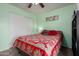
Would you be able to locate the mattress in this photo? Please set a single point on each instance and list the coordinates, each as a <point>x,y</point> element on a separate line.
<point>39,45</point>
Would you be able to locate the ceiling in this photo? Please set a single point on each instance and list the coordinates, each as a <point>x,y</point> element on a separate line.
<point>36,9</point>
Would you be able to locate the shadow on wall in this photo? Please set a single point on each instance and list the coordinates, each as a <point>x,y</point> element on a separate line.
<point>64,42</point>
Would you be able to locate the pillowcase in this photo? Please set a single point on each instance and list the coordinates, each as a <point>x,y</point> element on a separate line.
<point>53,32</point>
<point>50,32</point>
<point>44,32</point>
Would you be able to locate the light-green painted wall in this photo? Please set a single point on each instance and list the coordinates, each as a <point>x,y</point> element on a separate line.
<point>64,23</point>
<point>5,11</point>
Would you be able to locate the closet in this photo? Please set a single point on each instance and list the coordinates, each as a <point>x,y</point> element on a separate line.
<point>19,26</point>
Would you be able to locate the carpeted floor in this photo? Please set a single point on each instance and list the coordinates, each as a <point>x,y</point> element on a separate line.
<point>16,52</point>
<point>65,52</point>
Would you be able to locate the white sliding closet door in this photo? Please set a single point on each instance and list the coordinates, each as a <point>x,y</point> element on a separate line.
<point>20,26</point>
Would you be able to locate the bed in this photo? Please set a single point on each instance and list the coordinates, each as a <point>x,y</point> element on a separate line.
<point>46,43</point>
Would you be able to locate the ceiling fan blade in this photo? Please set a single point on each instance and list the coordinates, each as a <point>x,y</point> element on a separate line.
<point>30,4</point>
<point>42,5</point>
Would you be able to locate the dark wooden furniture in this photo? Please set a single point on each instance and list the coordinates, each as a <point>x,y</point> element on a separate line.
<point>75,34</point>
<point>74,30</point>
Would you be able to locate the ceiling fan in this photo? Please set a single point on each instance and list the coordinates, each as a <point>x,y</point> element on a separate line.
<point>41,5</point>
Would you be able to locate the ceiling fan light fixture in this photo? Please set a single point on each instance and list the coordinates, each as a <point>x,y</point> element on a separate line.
<point>41,5</point>
<point>35,3</point>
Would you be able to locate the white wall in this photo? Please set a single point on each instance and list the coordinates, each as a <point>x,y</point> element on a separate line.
<point>77,6</point>
<point>20,26</point>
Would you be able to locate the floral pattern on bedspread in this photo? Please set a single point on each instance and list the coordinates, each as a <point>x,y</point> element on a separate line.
<point>39,44</point>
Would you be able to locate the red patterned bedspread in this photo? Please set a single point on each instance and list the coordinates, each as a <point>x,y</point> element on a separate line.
<point>39,45</point>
